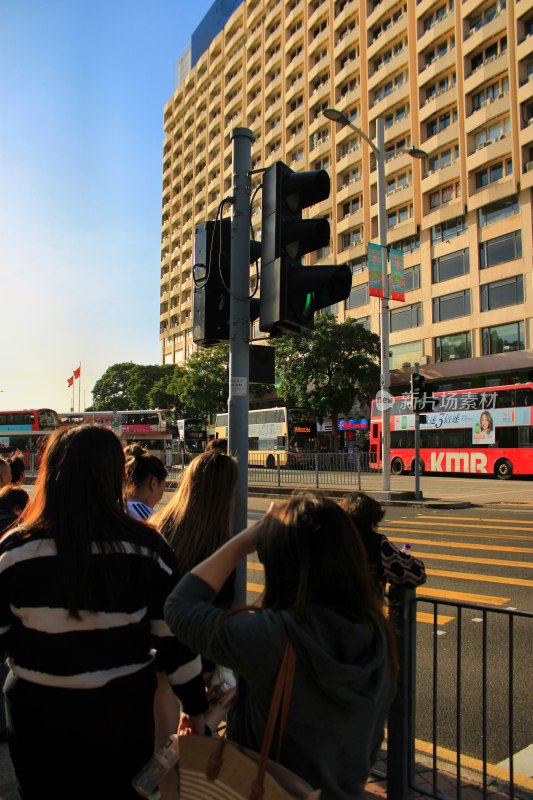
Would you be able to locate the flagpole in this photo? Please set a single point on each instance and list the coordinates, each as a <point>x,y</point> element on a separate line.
<point>79,388</point>
<point>73,408</point>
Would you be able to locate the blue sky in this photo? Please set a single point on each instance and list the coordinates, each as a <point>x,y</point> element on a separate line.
<point>83,84</point>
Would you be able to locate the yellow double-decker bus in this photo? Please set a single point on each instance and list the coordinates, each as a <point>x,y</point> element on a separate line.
<point>283,435</point>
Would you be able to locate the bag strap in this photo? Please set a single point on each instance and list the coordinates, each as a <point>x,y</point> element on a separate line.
<point>281,698</point>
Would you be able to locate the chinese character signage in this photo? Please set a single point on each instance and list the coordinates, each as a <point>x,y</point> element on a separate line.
<point>397,275</point>
<point>375,270</point>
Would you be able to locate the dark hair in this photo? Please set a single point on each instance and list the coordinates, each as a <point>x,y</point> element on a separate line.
<point>18,467</point>
<point>13,497</point>
<point>312,555</point>
<point>217,444</point>
<point>140,466</point>
<point>366,512</point>
<point>78,500</point>
<point>196,520</point>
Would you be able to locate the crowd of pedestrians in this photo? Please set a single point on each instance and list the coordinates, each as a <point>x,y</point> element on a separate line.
<point>114,616</point>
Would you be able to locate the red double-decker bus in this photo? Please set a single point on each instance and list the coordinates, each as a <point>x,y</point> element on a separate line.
<point>472,431</point>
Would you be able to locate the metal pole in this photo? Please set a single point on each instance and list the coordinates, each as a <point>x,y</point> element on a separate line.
<point>417,442</point>
<point>384,309</point>
<point>239,333</point>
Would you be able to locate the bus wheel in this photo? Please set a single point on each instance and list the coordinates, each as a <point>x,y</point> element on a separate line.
<point>270,462</point>
<point>421,468</point>
<point>503,469</point>
<point>396,466</point>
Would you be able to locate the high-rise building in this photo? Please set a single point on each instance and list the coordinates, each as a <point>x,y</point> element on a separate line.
<point>453,78</point>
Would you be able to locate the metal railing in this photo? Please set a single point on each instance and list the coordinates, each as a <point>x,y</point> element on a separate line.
<point>465,683</point>
<point>312,469</point>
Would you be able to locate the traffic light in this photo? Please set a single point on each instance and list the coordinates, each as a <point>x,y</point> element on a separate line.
<point>290,292</point>
<point>212,276</point>
<point>422,397</point>
<point>418,392</point>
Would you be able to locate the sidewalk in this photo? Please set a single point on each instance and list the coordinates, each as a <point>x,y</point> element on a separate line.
<point>445,784</point>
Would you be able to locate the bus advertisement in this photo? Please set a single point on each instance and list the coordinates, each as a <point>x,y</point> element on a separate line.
<point>486,431</point>
<point>25,432</point>
<point>287,434</point>
<point>145,427</point>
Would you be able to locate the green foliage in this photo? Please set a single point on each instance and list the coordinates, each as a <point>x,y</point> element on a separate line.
<point>110,391</point>
<point>198,388</point>
<point>324,369</point>
<point>204,387</point>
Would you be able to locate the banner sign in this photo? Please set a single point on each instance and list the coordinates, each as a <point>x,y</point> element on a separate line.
<point>481,423</point>
<point>375,270</point>
<point>397,275</point>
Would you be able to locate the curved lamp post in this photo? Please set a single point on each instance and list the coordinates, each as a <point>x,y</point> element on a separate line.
<point>378,148</point>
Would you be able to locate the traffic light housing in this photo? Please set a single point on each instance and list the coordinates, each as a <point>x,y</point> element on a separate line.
<point>290,292</point>
<point>212,282</point>
<point>211,275</point>
<point>422,397</point>
<point>418,392</point>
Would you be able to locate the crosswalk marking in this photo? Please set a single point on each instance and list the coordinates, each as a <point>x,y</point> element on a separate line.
<point>466,523</point>
<point>516,537</point>
<point>471,519</point>
<point>471,546</point>
<point>462,597</point>
<point>471,576</point>
<point>474,560</point>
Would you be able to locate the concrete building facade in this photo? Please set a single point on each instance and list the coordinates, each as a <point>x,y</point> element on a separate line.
<point>453,78</point>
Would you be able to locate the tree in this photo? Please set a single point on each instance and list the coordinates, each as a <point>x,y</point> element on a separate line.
<point>141,381</point>
<point>166,391</point>
<point>204,387</point>
<point>323,370</point>
<point>110,392</point>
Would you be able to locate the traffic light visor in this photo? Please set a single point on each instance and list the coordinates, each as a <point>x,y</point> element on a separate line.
<point>304,189</point>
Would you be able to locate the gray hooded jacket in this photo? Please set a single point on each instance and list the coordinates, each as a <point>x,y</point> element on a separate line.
<point>342,690</point>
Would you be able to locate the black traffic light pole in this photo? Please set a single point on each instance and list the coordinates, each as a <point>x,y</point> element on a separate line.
<point>239,333</point>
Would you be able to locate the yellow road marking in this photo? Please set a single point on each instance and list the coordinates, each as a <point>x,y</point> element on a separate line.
<point>469,519</point>
<point>426,591</point>
<point>493,547</point>
<point>474,560</point>
<point>513,537</point>
<point>520,526</point>
<point>474,576</point>
<point>474,764</point>
<point>464,597</point>
<point>255,587</point>
<point>423,616</point>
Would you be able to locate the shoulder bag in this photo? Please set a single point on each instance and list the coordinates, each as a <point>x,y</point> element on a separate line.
<point>214,768</point>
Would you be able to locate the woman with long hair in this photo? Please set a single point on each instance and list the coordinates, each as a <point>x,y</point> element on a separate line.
<point>146,478</point>
<point>318,594</point>
<point>82,588</point>
<point>197,519</point>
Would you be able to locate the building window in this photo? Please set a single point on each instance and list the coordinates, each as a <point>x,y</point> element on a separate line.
<point>365,322</point>
<point>450,306</point>
<point>499,209</point>
<point>503,338</point>
<point>493,173</point>
<point>455,346</point>
<point>358,296</point>
<point>405,355</point>
<point>411,277</point>
<point>508,292</point>
<point>501,249</point>
<point>447,230</point>
<point>405,317</point>
<point>450,266</point>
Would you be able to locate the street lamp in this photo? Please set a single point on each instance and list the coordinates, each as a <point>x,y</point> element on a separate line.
<point>378,148</point>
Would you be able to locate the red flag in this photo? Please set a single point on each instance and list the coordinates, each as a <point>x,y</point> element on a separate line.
<point>77,373</point>
<point>70,381</point>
